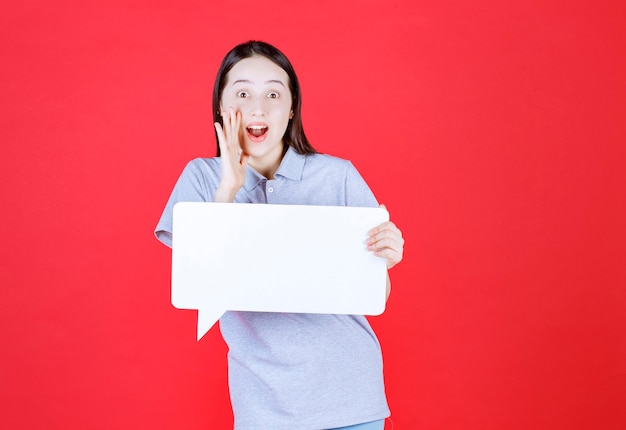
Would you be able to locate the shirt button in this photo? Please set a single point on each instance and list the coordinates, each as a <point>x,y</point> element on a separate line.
<point>270,190</point>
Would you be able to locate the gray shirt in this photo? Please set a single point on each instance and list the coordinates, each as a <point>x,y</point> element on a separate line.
<point>294,371</point>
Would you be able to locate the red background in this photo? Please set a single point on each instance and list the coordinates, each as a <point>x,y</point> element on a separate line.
<point>493,131</point>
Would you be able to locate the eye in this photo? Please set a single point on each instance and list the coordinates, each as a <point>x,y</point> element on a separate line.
<point>242,94</point>
<point>273,95</point>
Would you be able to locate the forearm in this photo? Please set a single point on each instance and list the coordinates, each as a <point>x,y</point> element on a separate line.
<point>224,194</point>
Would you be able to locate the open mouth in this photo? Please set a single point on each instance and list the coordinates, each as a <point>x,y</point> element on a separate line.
<point>257,132</point>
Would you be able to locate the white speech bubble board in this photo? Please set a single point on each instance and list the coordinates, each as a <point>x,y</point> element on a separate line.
<point>275,258</point>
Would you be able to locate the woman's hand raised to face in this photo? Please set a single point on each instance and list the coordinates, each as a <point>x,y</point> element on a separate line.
<point>233,160</point>
<point>386,241</point>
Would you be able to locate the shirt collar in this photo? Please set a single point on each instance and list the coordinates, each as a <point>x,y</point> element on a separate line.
<point>291,167</point>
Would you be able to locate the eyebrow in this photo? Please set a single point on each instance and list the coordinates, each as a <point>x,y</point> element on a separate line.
<point>247,81</point>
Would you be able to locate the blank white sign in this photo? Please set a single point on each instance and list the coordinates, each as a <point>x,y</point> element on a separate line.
<point>275,258</point>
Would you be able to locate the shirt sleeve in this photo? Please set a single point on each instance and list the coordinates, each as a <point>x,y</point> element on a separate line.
<point>193,185</point>
<point>358,193</point>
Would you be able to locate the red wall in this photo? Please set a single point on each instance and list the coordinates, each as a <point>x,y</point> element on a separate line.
<point>494,132</point>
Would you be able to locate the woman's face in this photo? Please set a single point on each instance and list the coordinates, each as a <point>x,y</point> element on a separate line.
<point>259,89</point>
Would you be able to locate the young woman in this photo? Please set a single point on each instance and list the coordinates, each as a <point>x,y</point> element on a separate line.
<point>286,371</point>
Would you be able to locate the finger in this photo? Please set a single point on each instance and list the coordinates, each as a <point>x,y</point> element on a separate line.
<point>385,242</point>
<point>226,126</point>
<point>237,122</point>
<point>385,232</point>
<point>244,160</point>
<point>388,225</point>
<point>388,246</point>
<point>388,251</point>
<point>391,256</point>
<point>237,132</point>
<point>221,138</point>
<point>233,123</point>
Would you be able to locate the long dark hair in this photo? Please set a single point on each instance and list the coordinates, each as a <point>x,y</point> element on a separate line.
<point>294,135</point>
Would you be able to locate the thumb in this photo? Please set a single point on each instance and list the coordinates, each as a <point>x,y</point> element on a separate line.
<point>244,159</point>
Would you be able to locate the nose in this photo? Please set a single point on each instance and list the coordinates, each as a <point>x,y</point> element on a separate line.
<point>256,107</point>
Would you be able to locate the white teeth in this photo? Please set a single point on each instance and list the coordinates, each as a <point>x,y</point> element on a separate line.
<point>257,127</point>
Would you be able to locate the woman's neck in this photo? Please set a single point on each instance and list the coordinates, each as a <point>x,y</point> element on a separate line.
<point>268,165</point>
